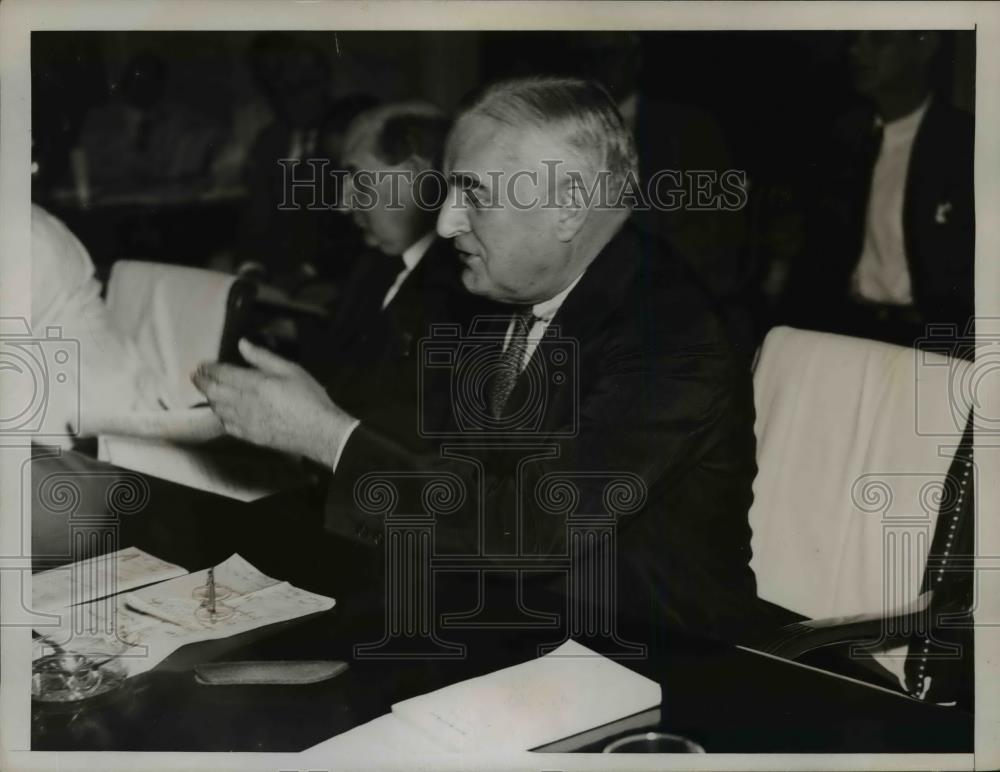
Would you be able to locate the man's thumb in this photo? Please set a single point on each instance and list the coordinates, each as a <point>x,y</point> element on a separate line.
<point>264,360</point>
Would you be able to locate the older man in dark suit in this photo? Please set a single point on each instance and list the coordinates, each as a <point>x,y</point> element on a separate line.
<point>652,392</point>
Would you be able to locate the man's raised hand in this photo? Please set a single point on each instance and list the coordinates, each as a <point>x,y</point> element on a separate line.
<point>275,403</point>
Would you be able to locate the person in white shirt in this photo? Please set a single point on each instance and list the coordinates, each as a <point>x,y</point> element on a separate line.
<point>110,373</point>
<point>891,232</point>
<point>881,275</point>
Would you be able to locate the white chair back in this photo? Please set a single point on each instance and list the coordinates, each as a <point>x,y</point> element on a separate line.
<point>854,441</point>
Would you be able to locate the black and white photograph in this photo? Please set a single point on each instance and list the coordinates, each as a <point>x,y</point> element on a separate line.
<point>464,385</point>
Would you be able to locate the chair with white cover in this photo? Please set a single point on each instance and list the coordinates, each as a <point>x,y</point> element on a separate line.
<point>865,478</point>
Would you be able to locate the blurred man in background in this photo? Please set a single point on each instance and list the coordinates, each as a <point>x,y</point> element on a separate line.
<point>298,242</point>
<point>405,281</point>
<point>890,239</point>
<point>141,136</point>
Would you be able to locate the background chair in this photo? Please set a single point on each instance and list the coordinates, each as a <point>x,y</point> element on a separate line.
<point>864,455</point>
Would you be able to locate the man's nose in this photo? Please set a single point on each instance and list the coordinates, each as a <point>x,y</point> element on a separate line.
<point>453,219</point>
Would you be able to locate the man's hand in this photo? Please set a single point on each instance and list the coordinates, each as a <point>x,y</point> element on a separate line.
<point>277,404</point>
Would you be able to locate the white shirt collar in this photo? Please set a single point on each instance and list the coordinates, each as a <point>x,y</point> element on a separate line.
<point>548,308</point>
<point>905,125</point>
<point>413,253</point>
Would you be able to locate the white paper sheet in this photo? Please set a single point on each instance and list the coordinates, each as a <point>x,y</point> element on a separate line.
<point>241,477</point>
<point>143,628</point>
<point>385,737</point>
<point>568,691</point>
<point>197,424</point>
<point>97,577</point>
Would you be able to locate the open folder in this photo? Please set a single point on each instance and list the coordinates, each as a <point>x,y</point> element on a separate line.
<point>566,692</point>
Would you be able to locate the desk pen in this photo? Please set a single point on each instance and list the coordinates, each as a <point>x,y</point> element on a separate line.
<point>211,591</point>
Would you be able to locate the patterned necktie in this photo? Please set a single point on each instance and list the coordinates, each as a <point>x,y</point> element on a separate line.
<point>511,361</point>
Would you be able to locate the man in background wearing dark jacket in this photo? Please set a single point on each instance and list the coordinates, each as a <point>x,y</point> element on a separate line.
<point>890,245</point>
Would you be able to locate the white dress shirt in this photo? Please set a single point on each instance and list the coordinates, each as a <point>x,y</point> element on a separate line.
<point>543,313</point>
<point>882,274</point>
<point>412,256</point>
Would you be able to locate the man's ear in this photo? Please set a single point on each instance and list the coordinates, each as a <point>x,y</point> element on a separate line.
<point>572,212</point>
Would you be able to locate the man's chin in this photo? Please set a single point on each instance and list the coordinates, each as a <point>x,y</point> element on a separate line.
<point>469,280</point>
<point>474,283</point>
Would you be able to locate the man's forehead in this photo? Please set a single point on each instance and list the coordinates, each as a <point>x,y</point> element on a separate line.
<point>479,143</point>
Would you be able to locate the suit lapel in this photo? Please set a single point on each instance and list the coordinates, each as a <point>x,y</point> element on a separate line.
<point>601,290</point>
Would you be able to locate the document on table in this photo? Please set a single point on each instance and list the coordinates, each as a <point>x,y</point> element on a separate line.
<point>568,691</point>
<point>144,627</point>
<point>196,424</point>
<point>244,476</point>
<point>97,577</point>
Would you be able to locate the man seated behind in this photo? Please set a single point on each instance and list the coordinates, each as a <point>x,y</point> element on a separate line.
<point>891,232</point>
<point>407,281</point>
<point>655,396</point>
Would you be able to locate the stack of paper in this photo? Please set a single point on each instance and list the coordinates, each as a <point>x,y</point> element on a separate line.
<point>144,627</point>
<point>566,692</point>
<point>242,473</point>
<point>97,577</point>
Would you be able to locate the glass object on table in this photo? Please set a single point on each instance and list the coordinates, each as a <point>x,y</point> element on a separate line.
<point>70,677</point>
<point>653,742</point>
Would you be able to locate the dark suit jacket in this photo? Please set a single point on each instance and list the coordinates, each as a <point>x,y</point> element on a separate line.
<point>684,138</point>
<point>938,222</point>
<point>368,356</point>
<point>658,395</point>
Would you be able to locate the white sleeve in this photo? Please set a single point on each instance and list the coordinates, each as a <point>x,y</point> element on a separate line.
<point>105,371</point>
<point>343,444</point>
